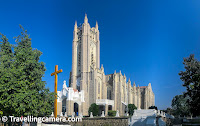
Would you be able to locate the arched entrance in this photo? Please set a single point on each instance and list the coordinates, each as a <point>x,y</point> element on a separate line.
<point>76,108</point>
<point>101,108</point>
<point>124,109</point>
<point>64,105</point>
<point>109,107</point>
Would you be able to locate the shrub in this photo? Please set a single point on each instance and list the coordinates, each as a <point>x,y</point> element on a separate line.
<point>1,113</point>
<point>94,108</point>
<point>153,107</point>
<point>111,113</point>
<point>131,108</point>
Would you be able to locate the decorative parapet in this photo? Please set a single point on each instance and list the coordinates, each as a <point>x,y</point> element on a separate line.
<point>70,94</point>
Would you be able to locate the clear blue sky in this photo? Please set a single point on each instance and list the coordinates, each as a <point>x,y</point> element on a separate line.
<point>147,40</point>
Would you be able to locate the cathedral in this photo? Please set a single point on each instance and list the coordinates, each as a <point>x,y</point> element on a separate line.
<point>88,83</point>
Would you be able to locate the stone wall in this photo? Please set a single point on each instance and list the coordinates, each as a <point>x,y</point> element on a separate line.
<point>106,121</point>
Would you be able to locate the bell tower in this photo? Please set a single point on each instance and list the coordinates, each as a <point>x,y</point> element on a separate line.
<point>85,58</point>
<point>85,53</point>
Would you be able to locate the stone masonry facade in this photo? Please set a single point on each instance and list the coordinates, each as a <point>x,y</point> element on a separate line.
<point>110,92</point>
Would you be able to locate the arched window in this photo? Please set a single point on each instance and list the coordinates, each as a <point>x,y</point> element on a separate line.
<point>92,59</point>
<point>109,93</point>
<point>99,86</point>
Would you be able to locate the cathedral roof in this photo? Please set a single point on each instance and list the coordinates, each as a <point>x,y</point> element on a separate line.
<point>143,87</point>
<point>75,90</point>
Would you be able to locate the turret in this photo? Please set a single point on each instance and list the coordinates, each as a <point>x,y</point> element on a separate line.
<point>75,26</point>
<point>134,84</point>
<point>96,25</point>
<point>86,19</point>
<point>149,85</point>
<point>74,57</point>
<point>129,82</point>
<point>102,68</point>
<point>75,32</point>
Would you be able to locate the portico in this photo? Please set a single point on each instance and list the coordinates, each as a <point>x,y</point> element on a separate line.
<point>106,103</point>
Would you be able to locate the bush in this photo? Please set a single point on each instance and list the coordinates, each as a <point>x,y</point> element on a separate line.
<point>153,107</point>
<point>1,113</point>
<point>111,113</point>
<point>131,108</point>
<point>94,108</point>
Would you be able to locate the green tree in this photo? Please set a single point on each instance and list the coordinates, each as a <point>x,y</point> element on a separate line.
<point>6,74</point>
<point>131,108</point>
<point>94,108</point>
<point>191,79</point>
<point>169,111</point>
<point>180,106</point>
<point>22,90</point>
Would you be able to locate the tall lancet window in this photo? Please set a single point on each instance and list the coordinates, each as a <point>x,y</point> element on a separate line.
<point>78,83</point>
<point>92,53</point>
<point>109,93</point>
<point>79,58</point>
<point>99,85</point>
<point>92,58</point>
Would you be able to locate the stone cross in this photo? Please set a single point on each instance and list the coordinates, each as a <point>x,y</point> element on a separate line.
<point>55,89</point>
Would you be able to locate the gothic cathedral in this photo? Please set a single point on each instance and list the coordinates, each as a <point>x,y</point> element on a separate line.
<point>88,83</point>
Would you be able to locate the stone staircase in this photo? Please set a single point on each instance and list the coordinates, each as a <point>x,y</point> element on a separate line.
<point>191,122</point>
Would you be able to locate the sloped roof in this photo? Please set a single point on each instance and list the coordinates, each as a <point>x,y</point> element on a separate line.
<point>75,90</point>
<point>143,87</point>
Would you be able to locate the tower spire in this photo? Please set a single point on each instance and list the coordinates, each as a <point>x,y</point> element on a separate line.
<point>75,32</point>
<point>86,19</point>
<point>134,84</point>
<point>75,26</point>
<point>97,25</point>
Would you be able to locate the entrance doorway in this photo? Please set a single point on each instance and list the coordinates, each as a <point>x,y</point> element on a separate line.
<point>109,107</point>
<point>76,108</point>
<point>64,105</point>
<point>101,108</point>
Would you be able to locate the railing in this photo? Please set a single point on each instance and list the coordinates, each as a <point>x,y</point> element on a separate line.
<point>104,101</point>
